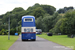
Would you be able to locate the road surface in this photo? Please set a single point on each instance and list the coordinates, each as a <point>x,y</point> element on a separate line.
<point>39,44</point>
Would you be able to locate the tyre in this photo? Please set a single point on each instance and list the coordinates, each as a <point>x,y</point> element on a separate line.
<point>22,40</point>
<point>25,40</point>
<point>33,39</point>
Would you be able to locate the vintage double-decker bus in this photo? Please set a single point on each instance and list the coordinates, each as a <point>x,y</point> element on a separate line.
<point>28,28</point>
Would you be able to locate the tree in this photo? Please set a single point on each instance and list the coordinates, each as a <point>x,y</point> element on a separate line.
<point>12,31</point>
<point>14,23</point>
<point>39,23</point>
<point>38,12</point>
<point>60,11</point>
<point>2,32</point>
<point>49,9</point>
<point>66,25</point>
<point>18,9</point>
<point>65,9</point>
<point>48,22</point>
<point>70,15</point>
<point>63,26</point>
<point>1,16</point>
<point>56,28</point>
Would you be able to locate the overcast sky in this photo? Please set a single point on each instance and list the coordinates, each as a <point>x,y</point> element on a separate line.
<point>9,5</point>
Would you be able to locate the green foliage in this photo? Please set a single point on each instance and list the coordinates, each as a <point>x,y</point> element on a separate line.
<point>49,9</point>
<point>18,9</point>
<point>1,16</point>
<point>51,30</point>
<point>56,28</point>
<point>38,22</point>
<point>12,31</point>
<point>41,8</point>
<point>48,22</point>
<point>38,12</point>
<point>65,9</point>
<point>55,18</point>
<point>14,23</point>
<point>66,25</point>
<point>46,19</point>
<point>1,26</point>
<point>19,28</point>
<point>15,18</point>
<point>63,26</point>
<point>41,22</point>
<point>61,11</point>
<point>3,32</point>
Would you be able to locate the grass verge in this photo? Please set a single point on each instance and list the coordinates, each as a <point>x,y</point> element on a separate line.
<point>60,39</point>
<point>5,43</point>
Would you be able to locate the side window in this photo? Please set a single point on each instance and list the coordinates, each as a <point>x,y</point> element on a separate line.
<point>24,30</point>
<point>28,30</point>
<point>31,29</point>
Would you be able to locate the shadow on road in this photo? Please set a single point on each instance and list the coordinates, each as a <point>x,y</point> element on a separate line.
<point>32,41</point>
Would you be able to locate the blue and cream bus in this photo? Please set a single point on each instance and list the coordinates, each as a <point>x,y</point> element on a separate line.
<point>28,29</point>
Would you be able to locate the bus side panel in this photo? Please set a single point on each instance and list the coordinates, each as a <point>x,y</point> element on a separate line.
<point>28,36</point>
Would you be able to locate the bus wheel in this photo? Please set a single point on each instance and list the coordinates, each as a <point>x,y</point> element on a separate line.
<point>33,39</point>
<point>25,40</point>
<point>22,40</point>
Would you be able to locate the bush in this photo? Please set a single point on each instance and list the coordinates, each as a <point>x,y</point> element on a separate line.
<point>12,31</point>
<point>6,32</point>
<point>19,33</point>
<point>71,35</point>
<point>2,32</point>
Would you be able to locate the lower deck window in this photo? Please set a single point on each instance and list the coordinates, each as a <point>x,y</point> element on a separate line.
<point>24,30</point>
<point>31,30</point>
<point>28,30</point>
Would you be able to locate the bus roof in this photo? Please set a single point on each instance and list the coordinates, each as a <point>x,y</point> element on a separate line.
<point>28,16</point>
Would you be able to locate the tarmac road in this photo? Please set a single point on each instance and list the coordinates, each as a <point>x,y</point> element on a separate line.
<point>39,44</point>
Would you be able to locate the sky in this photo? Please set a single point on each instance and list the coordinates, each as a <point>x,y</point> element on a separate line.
<point>9,5</point>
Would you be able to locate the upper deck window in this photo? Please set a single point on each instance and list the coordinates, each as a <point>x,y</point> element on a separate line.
<point>28,20</point>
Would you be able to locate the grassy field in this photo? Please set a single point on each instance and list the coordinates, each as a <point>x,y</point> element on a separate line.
<point>5,43</point>
<point>60,39</point>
